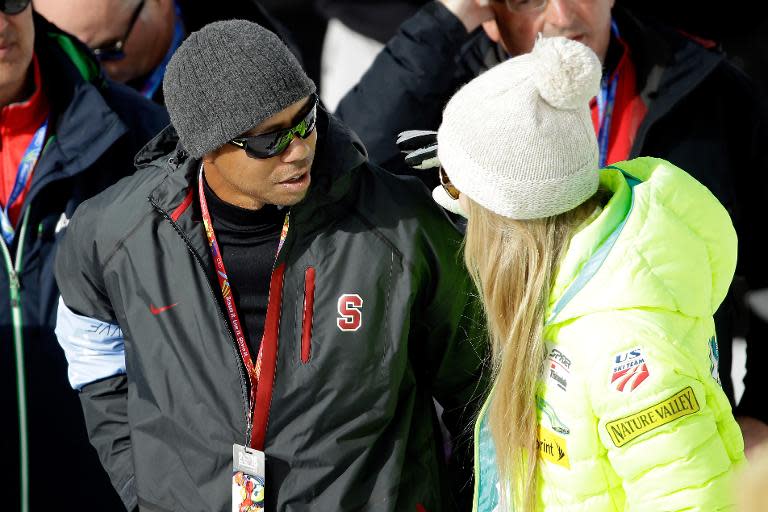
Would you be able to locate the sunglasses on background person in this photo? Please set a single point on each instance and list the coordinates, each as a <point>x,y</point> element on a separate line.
<point>267,145</point>
<point>114,51</point>
<point>447,185</point>
<point>13,6</point>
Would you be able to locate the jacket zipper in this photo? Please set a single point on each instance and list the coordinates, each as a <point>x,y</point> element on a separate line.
<point>14,271</point>
<point>243,385</point>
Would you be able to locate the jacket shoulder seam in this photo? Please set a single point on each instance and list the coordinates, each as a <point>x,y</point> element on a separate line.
<point>121,241</point>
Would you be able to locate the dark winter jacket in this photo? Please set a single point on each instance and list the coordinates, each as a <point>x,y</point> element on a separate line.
<point>198,14</point>
<point>352,423</point>
<point>703,116</point>
<point>376,19</point>
<point>95,129</point>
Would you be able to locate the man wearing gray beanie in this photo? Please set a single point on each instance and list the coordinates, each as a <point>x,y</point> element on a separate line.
<point>259,317</point>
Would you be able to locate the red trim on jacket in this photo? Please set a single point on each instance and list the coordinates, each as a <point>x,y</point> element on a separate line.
<point>184,205</point>
<point>709,44</point>
<point>18,124</point>
<point>309,305</point>
<point>269,360</point>
<point>629,110</point>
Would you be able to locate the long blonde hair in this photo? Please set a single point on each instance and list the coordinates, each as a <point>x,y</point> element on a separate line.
<point>513,264</point>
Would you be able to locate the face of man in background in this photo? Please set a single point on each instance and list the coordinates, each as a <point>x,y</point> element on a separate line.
<point>101,23</point>
<point>515,26</point>
<point>17,43</point>
<point>281,180</point>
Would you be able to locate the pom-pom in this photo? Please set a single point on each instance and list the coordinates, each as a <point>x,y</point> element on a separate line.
<point>568,72</point>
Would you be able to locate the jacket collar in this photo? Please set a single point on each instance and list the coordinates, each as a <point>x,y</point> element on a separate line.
<point>668,62</point>
<point>669,66</point>
<point>592,243</point>
<point>339,156</point>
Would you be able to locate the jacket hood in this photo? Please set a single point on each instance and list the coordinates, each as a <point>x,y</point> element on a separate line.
<point>663,241</point>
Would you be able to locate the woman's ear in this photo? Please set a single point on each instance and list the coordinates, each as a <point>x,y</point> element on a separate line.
<point>492,31</point>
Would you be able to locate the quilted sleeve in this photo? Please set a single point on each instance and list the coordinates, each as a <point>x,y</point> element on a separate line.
<point>663,419</point>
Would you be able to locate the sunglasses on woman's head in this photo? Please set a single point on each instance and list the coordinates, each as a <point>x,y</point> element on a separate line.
<point>267,145</point>
<point>13,6</point>
<point>447,185</point>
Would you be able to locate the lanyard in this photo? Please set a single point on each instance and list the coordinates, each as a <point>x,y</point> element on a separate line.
<point>252,369</point>
<point>605,103</point>
<point>23,175</point>
<point>150,87</point>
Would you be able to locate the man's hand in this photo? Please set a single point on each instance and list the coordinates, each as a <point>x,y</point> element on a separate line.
<point>472,13</point>
<point>755,433</point>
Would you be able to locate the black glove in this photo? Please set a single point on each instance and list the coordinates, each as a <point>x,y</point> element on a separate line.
<point>419,148</point>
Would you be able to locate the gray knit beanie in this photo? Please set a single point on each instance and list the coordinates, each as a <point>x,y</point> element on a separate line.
<point>519,138</point>
<point>227,78</point>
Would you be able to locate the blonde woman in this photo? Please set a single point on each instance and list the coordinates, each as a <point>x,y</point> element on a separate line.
<point>599,289</point>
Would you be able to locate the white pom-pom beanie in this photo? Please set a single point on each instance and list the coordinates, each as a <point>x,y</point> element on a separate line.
<point>519,138</point>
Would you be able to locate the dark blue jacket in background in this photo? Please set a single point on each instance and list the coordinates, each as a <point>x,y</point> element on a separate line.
<point>95,129</point>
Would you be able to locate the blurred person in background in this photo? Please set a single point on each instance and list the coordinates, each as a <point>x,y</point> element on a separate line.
<point>66,133</point>
<point>743,39</point>
<point>357,31</point>
<point>135,39</point>
<point>306,26</point>
<point>662,94</point>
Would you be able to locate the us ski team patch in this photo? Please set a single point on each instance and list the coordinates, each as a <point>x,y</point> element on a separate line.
<point>630,369</point>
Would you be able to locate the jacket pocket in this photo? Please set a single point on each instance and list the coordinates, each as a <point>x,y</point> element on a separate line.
<point>309,306</point>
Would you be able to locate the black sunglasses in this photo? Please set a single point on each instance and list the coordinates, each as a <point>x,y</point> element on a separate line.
<point>114,51</point>
<point>267,145</point>
<point>13,6</point>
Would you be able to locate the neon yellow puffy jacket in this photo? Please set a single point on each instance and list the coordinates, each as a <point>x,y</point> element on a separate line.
<point>631,414</point>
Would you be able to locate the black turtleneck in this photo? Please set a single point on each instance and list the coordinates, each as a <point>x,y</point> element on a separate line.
<point>248,241</point>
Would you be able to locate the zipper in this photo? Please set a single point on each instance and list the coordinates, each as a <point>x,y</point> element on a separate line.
<point>243,385</point>
<point>14,271</point>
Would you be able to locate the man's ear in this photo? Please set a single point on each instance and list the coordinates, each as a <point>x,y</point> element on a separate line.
<point>492,31</point>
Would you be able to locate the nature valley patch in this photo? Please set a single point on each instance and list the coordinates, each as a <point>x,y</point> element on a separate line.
<point>629,428</point>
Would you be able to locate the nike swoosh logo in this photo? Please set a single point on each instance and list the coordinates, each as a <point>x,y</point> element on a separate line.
<point>157,311</point>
